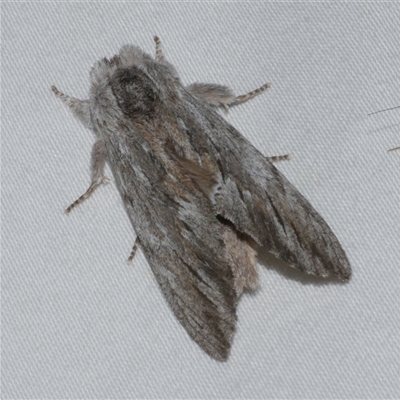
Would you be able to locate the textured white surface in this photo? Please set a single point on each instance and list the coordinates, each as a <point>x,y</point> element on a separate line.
<point>77,322</point>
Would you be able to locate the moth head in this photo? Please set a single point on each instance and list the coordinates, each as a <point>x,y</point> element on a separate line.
<point>130,55</point>
<point>135,92</point>
<point>160,71</point>
<point>138,83</point>
<point>103,70</point>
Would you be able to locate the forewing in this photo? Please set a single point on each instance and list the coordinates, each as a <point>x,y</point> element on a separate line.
<point>178,230</point>
<point>263,204</point>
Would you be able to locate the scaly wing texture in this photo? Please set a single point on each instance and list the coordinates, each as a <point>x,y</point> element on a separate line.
<point>178,230</point>
<point>263,204</point>
<point>184,249</point>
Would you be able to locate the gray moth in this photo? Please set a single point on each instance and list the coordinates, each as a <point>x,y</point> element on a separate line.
<point>202,200</point>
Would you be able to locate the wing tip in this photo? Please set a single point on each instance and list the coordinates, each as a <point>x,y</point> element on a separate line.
<point>341,271</point>
<point>220,354</point>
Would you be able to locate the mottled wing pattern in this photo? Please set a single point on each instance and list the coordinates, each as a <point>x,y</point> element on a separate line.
<point>263,204</point>
<point>177,228</point>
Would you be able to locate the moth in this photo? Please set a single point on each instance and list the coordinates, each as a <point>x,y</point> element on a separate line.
<point>201,198</point>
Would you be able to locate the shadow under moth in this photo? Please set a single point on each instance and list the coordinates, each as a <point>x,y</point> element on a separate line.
<point>200,197</point>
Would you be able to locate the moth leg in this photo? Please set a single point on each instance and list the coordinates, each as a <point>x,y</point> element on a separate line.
<point>80,108</point>
<point>395,148</point>
<point>134,249</point>
<point>219,95</point>
<point>98,160</point>
<point>244,97</point>
<point>211,93</point>
<point>279,158</point>
<point>159,52</point>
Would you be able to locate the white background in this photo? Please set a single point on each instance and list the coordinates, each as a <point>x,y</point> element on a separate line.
<point>78,322</point>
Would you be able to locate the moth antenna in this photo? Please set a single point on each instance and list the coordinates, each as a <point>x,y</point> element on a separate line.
<point>159,52</point>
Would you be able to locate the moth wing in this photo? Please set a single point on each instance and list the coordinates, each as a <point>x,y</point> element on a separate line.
<point>181,239</point>
<point>263,204</point>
